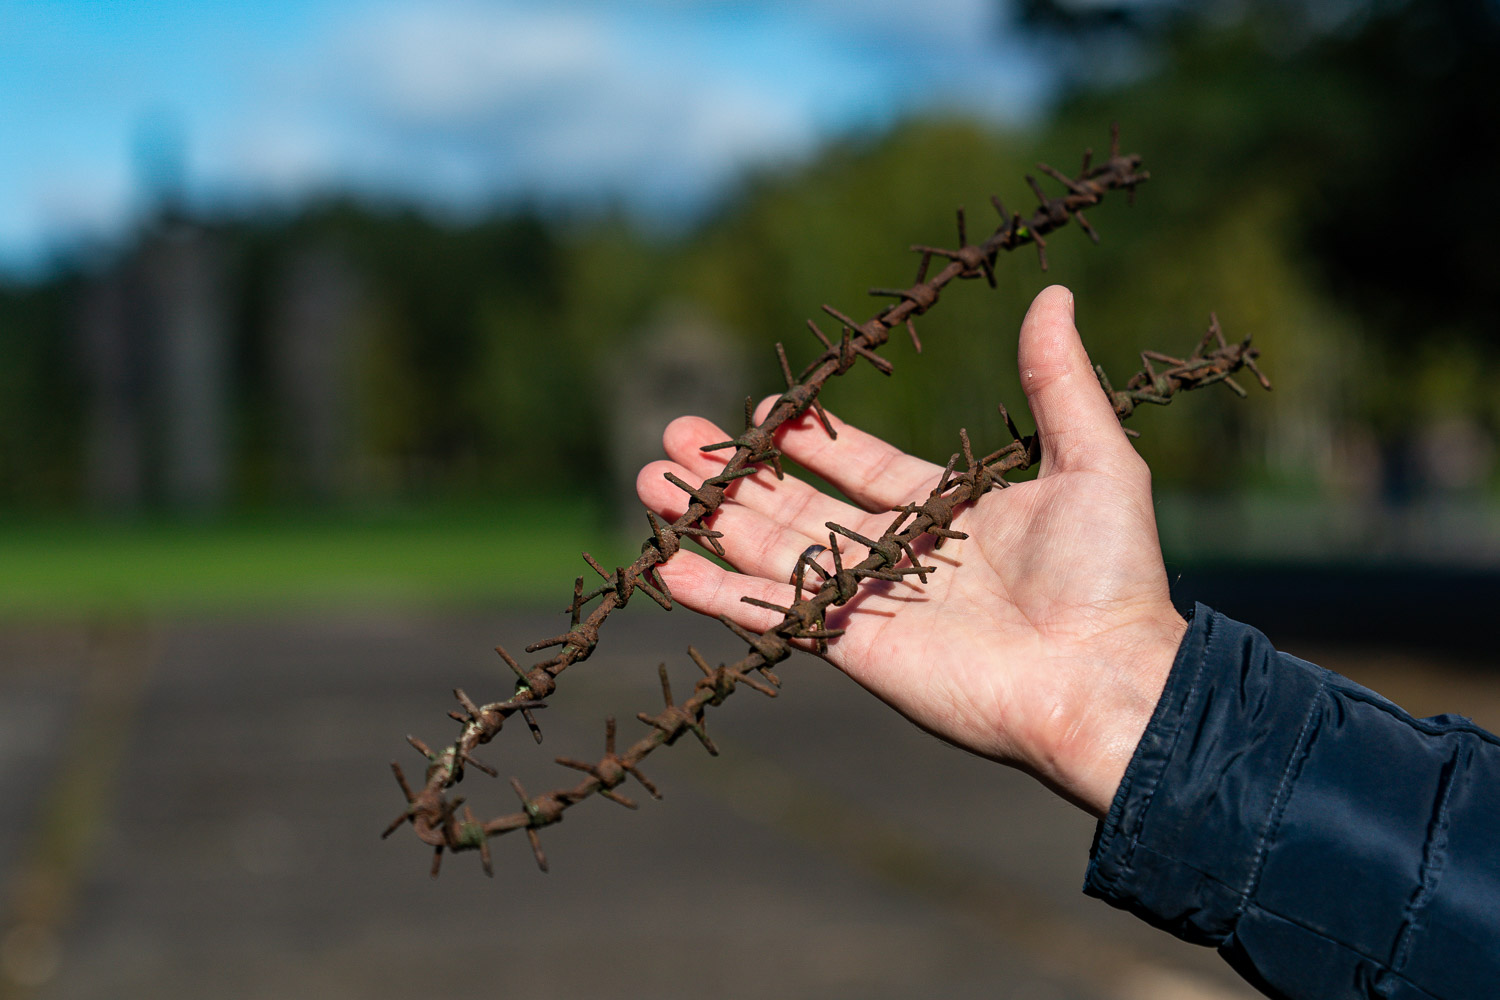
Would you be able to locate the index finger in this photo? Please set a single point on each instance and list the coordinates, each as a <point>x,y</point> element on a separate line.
<point>871,473</point>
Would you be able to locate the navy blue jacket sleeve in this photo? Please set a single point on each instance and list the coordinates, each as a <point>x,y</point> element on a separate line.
<point>1327,843</point>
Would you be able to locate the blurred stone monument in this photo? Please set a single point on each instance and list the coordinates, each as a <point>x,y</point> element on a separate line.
<point>113,368</point>
<point>154,338</point>
<point>313,343</point>
<point>184,272</point>
<point>678,363</point>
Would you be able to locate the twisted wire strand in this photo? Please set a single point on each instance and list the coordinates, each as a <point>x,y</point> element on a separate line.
<point>436,818</point>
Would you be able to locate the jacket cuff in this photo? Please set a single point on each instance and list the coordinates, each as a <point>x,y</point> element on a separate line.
<point>1183,839</point>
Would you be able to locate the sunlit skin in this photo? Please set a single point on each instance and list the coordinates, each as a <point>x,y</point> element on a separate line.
<point>1043,641</point>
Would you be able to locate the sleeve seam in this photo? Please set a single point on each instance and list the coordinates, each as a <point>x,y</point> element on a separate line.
<point>1400,715</point>
<point>1278,805</point>
<point>1133,839</point>
<point>1222,941</point>
<point>1434,859</point>
<point>1380,964</point>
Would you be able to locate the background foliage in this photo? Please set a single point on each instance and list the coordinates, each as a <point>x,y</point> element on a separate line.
<point>1318,182</point>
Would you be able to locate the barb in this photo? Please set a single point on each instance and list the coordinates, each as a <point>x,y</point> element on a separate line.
<point>933,515</point>
<point>1195,371</point>
<point>433,815</point>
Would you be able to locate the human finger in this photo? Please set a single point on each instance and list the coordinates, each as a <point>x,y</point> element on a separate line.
<point>872,473</point>
<point>709,589</point>
<point>787,500</point>
<point>752,542</point>
<point>1075,422</point>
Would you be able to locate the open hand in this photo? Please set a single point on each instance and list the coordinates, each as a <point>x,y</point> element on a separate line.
<point>1042,641</point>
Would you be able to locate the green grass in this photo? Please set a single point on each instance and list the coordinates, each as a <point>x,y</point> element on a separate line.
<point>526,551</point>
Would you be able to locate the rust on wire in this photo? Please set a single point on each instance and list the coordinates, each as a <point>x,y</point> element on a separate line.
<point>434,816</point>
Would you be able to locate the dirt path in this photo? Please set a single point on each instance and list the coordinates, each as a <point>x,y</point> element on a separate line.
<point>831,851</point>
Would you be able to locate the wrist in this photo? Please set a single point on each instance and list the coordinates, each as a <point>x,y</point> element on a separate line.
<point>1122,688</point>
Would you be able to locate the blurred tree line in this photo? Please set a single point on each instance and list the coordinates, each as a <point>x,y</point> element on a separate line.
<point>1318,175</point>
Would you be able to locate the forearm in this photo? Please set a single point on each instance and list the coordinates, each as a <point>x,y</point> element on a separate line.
<point>1326,842</point>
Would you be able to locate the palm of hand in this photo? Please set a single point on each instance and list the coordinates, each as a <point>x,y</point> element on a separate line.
<point>1041,641</point>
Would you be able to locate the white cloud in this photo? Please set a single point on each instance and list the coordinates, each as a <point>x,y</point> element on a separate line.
<point>660,103</point>
<point>451,62</point>
<point>957,24</point>
<point>560,102</point>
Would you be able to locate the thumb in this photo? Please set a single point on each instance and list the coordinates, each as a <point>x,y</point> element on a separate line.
<point>1075,422</point>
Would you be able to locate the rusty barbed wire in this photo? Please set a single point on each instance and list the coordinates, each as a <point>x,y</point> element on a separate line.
<point>436,818</point>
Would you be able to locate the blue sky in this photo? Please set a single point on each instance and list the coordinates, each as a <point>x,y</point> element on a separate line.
<point>458,104</point>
